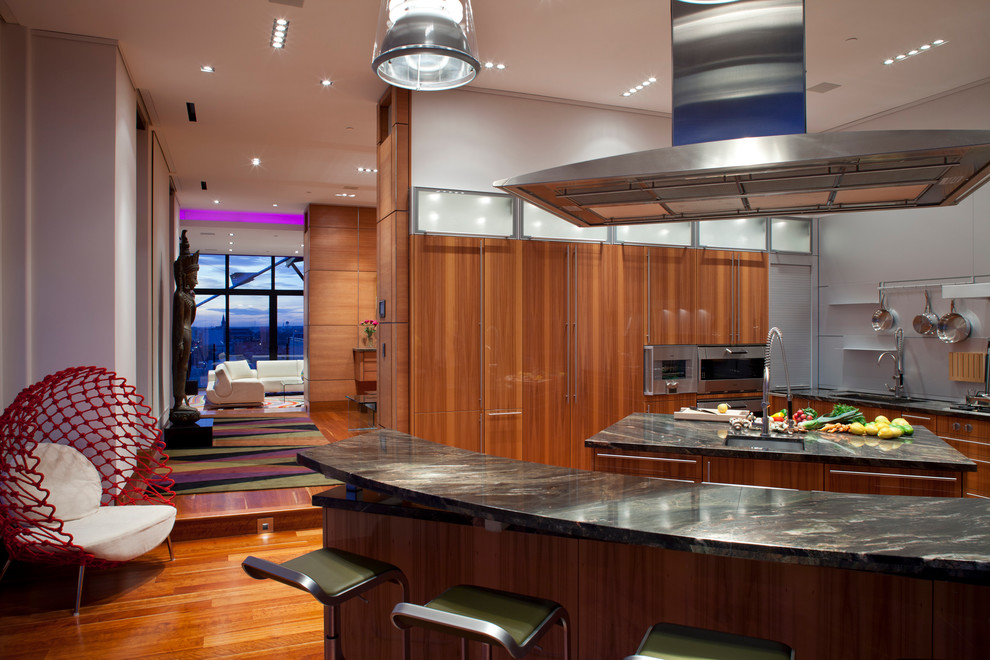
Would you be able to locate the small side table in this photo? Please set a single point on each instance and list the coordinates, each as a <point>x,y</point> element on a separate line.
<point>361,410</point>
<point>289,381</point>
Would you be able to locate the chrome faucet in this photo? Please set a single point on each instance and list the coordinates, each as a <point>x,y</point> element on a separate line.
<point>765,404</point>
<point>898,356</point>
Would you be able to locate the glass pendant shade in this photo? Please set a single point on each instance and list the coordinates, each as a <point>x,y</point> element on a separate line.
<point>426,44</point>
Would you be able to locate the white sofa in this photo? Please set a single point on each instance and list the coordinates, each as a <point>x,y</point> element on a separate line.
<point>271,373</point>
<point>234,383</point>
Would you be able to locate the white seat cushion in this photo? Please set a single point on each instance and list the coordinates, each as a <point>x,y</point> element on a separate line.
<point>121,533</point>
<point>239,369</point>
<point>72,480</point>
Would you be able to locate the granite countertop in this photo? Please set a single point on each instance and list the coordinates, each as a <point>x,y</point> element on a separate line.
<point>933,538</point>
<point>647,432</point>
<point>905,404</point>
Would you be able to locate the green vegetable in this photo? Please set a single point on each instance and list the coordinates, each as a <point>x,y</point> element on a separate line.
<point>841,414</point>
<point>810,412</point>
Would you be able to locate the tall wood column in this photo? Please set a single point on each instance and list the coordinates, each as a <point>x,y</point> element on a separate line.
<point>340,292</point>
<point>393,259</point>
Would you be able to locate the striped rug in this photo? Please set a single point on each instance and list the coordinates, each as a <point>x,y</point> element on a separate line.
<point>259,432</point>
<point>249,454</point>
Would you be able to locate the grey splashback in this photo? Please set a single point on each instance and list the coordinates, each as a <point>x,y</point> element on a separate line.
<point>909,251</point>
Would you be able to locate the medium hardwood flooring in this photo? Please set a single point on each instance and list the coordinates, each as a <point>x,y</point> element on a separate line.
<point>202,605</point>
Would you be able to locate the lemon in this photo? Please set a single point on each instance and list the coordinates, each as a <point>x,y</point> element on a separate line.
<point>902,424</point>
<point>722,408</point>
<point>857,428</point>
<point>871,428</point>
<point>889,431</point>
<point>881,419</point>
<point>900,421</point>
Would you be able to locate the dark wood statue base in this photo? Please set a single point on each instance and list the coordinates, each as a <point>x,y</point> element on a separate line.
<point>185,436</point>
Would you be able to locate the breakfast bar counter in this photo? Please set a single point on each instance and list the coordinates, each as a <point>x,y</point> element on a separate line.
<point>623,552</point>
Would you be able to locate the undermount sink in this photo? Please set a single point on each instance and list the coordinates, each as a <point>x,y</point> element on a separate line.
<point>759,442</point>
<point>870,397</point>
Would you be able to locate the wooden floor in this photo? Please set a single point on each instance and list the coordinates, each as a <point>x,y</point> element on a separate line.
<point>202,605</point>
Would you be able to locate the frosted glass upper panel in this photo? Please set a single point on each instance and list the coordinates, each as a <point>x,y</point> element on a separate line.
<point>537,223</point>
<point>735,234</point>
<point>664,233</point>
<point>457,212</point>
<point>790,235</point>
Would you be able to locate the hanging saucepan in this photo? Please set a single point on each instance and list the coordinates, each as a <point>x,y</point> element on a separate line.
<point>953,327</point>
<point>883,319</point>
<point>926,323</point>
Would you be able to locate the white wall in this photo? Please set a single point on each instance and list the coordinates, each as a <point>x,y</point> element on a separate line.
<point>13,212</point>
<point>904,249</point>
<point>465,140</point>
<point>69,197</point>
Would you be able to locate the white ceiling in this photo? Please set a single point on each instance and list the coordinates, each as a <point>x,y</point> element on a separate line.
<point>269,104</point>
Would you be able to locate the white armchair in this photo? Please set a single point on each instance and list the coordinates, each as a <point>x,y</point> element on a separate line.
<point>235,384</point>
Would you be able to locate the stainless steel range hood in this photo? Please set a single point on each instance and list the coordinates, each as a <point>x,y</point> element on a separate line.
<point>819,173</point>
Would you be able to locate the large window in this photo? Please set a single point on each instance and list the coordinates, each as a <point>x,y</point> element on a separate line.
<point>247,308</point>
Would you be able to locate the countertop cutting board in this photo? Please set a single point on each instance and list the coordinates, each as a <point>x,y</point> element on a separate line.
<point>709,414</point>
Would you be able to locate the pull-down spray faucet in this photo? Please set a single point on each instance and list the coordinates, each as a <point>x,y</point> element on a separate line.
<point>765,404</point>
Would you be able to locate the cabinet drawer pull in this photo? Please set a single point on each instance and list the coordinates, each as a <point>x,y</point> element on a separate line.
<point>906,416</point>
<point>649,458</point>
<point>516,412</point>
<point>969,428</point>
<point>968,442</point>
<point>893,474</point>
<point>956,426</point>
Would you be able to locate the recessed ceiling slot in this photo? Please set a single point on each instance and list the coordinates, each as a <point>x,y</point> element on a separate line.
<point>202,185</point>
<point>191,111</point>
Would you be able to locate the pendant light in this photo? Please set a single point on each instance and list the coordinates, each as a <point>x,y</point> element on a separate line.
<point>426,45</point>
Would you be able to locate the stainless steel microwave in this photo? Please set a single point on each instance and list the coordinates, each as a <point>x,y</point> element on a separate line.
<point>670,369</point>
<point>730,369</point>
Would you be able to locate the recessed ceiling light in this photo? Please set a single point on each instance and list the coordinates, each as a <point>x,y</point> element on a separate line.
<point>207,69</point>
<point>636,88</point>
<point>924,48</point>
<point>500,66</point>
<point>256,161</point>
<point>367,169</point>
<point>280,30</point>
<point>326,82</point>
<point>489,65</point>
<point>274,204</point>
<point>230,234</point>
<point>216,201</point>
<point>230,243</point>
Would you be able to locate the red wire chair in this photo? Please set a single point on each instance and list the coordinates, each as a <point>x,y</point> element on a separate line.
<point>97,413</point>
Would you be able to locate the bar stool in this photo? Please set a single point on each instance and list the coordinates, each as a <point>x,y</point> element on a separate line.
<point>513,621</point>
<point>673,642</point>
<point>332,577</point>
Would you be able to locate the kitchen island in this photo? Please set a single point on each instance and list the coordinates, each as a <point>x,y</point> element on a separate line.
<point>833,575</point>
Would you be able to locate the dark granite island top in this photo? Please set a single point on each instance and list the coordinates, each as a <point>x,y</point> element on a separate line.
<point>933,538</point>
<point>648,432</point>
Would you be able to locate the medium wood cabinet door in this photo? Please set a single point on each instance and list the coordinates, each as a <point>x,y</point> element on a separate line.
<point>546,347</point>
<point>972,438</point>
<point>733,297</point>
<point>715,314</point>
<point>673,295</point>
<point>593,353</point>
<point>752,306</point>
<point>900,481</point>
<point>502,318</point>
<point>445,332</point>
<point>764,473</point>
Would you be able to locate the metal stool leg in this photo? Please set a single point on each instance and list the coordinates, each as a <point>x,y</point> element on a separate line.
<point>331,633</point>
<point>82,570</point>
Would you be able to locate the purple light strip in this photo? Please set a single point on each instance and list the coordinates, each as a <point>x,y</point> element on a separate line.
<point>212,215</point>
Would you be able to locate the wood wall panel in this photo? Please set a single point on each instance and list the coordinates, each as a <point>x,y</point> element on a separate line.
<point>367,302</point>
<point>673,295</point>
<point>594,350</point>
<point>386,177</point>
<point>333,299</point>
<point>546,379</point>
<point>367,240</point>
<point>961,620</point>
<point>460,429</point>
<point>326,363</point>
<point>445,339</point>
<point>625,274</point>
<point>503,339</point>
<point>337,293</point>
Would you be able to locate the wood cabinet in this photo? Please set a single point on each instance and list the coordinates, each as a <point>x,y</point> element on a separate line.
<point>677,467</point>
<point>445,337</point>
<point>762,472</point>
<point>892,481</point>
<point>733,297</point>
<point>971,438</point>
<point>669,403</point>
<point>672,289</point>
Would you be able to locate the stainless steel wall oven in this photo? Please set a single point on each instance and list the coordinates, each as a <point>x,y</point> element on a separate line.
<point>728,372</point>
<point>670,369</point>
